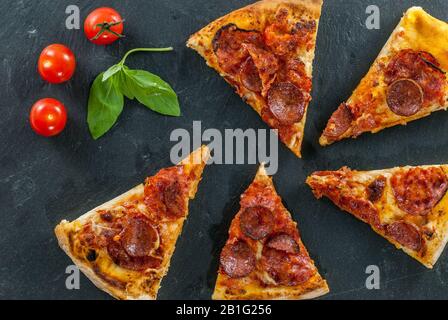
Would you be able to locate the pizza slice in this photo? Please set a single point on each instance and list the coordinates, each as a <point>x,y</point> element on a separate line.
<point>407,206</point>
<point>125,246</point>
<point>266,51</point>
<point>264,257</point>
<point>406,82</point>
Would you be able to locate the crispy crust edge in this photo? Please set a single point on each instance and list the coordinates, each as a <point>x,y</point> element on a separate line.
<point>199,156</point>
<point>431,258</point>
<point>284,294</point>
<point>274,293</point>
<point>201,42</point>
<point>385,51</point>
<point>62,234</point>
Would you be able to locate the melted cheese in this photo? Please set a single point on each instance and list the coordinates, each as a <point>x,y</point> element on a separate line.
<point>419,31</point>
<point>259,284</point>
<point>389,212</point>
<point>119,282</point>
<point>426,33</point>
<point>256,17</point>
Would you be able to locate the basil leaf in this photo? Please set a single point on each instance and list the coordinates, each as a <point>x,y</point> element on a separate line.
<point>126,84</point>
<point>151,91</point>
<point>111,71</point>
<point>105,105</point>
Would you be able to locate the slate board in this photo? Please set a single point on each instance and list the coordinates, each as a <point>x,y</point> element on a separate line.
<point>45,180</point>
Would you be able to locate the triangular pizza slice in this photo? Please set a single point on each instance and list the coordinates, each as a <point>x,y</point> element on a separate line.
<point>408,206</point>
<point>264,257</point>
<point>266,51</point>
<point>406,82</point>
<point>125,246</point>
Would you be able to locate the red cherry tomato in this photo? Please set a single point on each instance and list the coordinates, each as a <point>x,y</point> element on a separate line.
<point>48,117</point>
<point>57,64</point>
<point>103,26</point>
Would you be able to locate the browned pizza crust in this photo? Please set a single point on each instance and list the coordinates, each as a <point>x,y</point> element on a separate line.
<point>406,205</point>
<point>396,93</point>
<point>117,281</point>
<point>259,283</point>
<point>256,17</point>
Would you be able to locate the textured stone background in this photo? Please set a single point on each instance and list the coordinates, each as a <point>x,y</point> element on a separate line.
<point>45,180</point>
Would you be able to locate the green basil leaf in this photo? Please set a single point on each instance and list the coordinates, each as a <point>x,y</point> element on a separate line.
<point>151,91</point>
<point>111,71</point>
<point>126,84</point>
<point>105,105</point>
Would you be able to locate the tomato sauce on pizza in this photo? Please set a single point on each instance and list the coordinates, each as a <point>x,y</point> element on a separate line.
<point>398,203</point>
<point>264,251</point>
<point>130,236</point>
<point>413,82</point>
<point>266,63</point>
<point>125,245</point>
<point>262,220</point>
<point>406,82</point>
<point>266,51</point>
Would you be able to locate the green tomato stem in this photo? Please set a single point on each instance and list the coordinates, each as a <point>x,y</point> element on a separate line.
<point>144,50</point>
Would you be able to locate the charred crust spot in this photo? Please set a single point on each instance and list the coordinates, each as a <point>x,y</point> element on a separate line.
<point>307,26</point>
<point>433,65</point>
<point>91,255</point>
<point>375,189</point>
<point>215,41</point>
<point>106,216</point>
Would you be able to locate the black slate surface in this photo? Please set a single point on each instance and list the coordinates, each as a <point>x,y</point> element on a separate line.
<point>45,180</point>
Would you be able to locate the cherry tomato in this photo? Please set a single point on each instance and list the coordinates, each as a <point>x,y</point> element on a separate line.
<point>103,26</point>
<point>48,117</point>
<point>57,64</point>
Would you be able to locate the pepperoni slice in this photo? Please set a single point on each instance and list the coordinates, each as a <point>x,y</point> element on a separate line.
<point>166,194</point>
<point>250,77</point>
<point>360,208</point>
<point>266,64</point>
<point>375,189</point>
<point>120,257</point>
<point>405,234</point>
<point>339,123</point>
<point>294,70</point>
<point>405,97</point>
<point>228,46</point>
<point>256,222</point>
<point>237,260</point>
<point>286,102</point>
<point>418,190</point>
<point>173,199</point>
<point>139,238</point>
<point>286,269</point>
<point>424,69</point>
<point>284,242</point>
